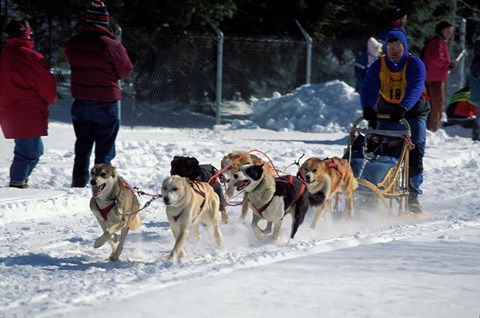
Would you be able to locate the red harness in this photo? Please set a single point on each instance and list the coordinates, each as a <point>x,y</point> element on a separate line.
<point>335,166</point>
<point>105,210</point>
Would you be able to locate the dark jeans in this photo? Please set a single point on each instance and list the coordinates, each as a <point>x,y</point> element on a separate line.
<point>418,127</point>
<point>94,123</point>
<point>27,153</point>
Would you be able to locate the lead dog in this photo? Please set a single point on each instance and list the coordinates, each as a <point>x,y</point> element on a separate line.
<point>230,165</point>
<point>325,178</point>
<point>114,205</point>
<point>271,198</point>
<point>188,202</point>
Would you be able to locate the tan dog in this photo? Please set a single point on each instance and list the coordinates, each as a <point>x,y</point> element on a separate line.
<point>325,178</point>
<point>234,160</point>
<point>114,205</point>
<point>188,202</point>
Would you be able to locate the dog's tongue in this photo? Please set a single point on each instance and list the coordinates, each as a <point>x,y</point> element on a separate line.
<point>96,190</point>
<point>240,185</point>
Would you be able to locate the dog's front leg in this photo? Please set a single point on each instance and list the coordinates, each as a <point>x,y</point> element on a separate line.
<point>180,240</point>
<point>244,208</point>
<point>276,230</point>
<point>217,234</point>
<point>175,232</point>
<point>268,228</point>
<point>255,228</point>
<point>196,231</point>
<point>109,235</point>
<point>116,253</point>
<point>318,213</point>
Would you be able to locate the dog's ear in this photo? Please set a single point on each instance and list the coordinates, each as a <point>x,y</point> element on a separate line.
<point>195,160</point>
<point>114,172</point>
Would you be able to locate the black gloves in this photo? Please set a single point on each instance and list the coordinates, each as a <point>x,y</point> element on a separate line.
<point>398,113</point>
<point>369,113</point>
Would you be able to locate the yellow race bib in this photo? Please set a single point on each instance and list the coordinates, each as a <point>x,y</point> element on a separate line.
<point>393,84</point>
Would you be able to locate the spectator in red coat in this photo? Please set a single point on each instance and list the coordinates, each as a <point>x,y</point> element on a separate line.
<point>437,63</point>
<point>27,89</point>
<point>97,62</point>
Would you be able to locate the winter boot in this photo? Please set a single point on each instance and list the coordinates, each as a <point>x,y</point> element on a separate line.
<point>23,185</point>
<point>414,205</point>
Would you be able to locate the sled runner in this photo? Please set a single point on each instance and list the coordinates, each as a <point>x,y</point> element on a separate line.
<point>379,160</point>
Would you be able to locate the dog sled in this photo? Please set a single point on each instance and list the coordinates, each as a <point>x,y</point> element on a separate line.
<point>380,160</point>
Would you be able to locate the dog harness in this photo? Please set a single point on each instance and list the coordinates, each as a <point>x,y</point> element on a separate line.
<point>289,179</point>
<point>196,187</point>
<point>105,210</point>
<point>333,165</point>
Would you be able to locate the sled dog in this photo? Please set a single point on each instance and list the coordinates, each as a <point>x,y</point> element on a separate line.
<point>189,202</point>
<point>115,206</point>
<point>232,162</point>
<point>271,198</point>
<point>325,178</point>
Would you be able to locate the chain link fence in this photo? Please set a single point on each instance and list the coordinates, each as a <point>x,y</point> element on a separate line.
<point>175,73</point>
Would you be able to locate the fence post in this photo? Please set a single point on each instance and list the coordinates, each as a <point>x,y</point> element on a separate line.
<point>461,57</point>
<point>118,36</point>
<point>308,38</point>
<point>219,71</point>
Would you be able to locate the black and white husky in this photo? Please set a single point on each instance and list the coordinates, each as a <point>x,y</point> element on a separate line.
<point>271,198</point>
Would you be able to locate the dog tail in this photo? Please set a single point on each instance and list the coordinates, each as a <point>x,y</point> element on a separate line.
<point>136,222</point>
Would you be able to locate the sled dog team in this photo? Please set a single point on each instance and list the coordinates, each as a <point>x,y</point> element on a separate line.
<point>193,194</point>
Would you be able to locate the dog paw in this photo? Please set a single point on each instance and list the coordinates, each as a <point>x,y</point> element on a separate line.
<point>101,240</point>
<point>225,218</point>
<point>259,234</point>
<point>114,258</point>
<point>172,258</point>
<point>175,257</point>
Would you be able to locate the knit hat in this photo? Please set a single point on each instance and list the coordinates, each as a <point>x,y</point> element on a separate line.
<point>97,13</point>
<point>397,14</point>
<point>18,28</point>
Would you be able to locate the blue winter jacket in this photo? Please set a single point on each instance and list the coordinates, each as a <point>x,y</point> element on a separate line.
<point>415,73</point>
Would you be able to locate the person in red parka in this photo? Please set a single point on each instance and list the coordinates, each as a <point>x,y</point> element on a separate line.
<point>97,62</point>
<point>437,63</point>
<point>27,89</point>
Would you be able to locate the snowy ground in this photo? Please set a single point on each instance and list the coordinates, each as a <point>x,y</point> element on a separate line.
<point>371,266</point>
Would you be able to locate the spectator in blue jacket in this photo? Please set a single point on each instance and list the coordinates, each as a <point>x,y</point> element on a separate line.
<point>394,85</point>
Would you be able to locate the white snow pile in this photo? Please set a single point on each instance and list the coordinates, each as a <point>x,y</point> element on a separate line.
<point>321,108</point>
